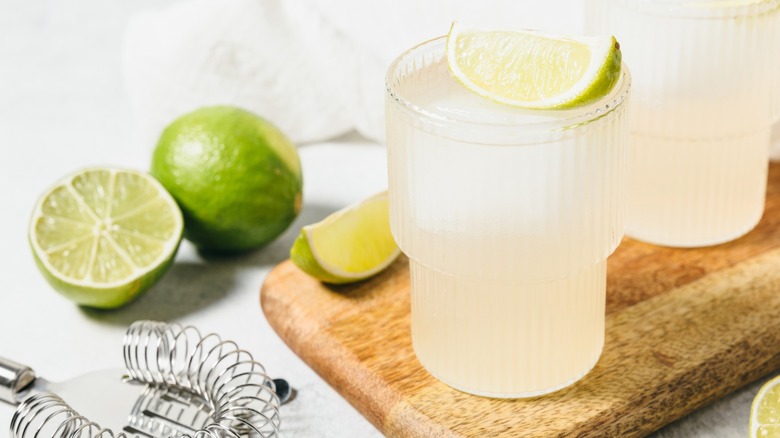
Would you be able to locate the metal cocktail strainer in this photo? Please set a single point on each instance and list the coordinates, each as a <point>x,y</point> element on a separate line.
<point>177,383</point>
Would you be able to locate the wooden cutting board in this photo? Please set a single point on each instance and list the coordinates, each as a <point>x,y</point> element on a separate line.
<point>684,327</point>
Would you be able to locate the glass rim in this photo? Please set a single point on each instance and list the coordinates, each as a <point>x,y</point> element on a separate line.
<point>573,117</point>
<point>704,9</point>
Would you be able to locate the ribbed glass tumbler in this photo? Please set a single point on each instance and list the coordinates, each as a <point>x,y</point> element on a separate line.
<point>706,73</point>
<point>507,217</point>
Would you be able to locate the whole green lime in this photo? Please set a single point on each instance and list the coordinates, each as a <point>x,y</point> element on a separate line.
<point>235,176</point>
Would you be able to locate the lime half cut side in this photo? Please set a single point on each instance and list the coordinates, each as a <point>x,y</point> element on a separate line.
<point>534,70</point>
<point>765,411</point>
<point>103,236</point>
<point>351,244</point>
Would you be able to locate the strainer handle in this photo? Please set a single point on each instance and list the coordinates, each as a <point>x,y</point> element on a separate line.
<point>14,378</point>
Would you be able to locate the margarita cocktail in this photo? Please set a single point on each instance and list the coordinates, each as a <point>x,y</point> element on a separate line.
<point>507,216</point>
<point>705,73</point>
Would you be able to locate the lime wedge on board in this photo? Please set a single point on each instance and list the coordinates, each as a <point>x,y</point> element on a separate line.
<point>351,244</point>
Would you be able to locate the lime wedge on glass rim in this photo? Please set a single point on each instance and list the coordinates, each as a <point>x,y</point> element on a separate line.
<point>351,244</point>
<point>103,236</point>
<point>534,70</point>
<point>765,411</point>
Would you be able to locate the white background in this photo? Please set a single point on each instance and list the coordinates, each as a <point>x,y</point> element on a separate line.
<point>62,108</point>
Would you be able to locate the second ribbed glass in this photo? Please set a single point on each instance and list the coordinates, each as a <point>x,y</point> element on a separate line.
<point>507,217</point>
<point>706,73</point>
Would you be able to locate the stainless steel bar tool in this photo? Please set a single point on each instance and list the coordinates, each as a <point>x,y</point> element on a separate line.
<point>177,383</point>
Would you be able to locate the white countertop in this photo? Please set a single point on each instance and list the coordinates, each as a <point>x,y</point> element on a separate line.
<point>62,108</point>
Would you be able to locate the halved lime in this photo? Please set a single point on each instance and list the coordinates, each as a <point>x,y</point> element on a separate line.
<point>349,245</point>
<point>531,69</point>
<point>103,236</point>
<point>765,412</point>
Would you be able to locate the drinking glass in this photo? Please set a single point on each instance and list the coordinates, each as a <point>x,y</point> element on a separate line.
<point>507,217</point>
<point>705,73</point>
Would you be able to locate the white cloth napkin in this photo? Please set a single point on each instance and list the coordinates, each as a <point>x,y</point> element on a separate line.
<point>315,68</point>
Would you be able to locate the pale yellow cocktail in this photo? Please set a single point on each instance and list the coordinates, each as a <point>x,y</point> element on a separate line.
<point>705,96</point>
<point>507,216</point>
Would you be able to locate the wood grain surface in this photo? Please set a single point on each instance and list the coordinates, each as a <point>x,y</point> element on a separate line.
<point>684,327</point>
